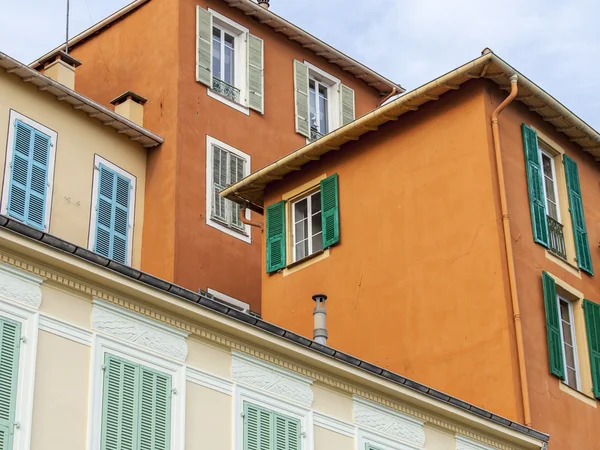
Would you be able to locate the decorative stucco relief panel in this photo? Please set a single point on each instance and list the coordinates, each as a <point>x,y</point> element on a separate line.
<point>20,286</point>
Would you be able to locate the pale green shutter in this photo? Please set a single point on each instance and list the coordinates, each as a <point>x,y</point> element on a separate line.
<point>258,432</point>
<point>592,324</point>
<point>371,447</point>
<point>155,410</point>
<point>301,98</point>
<point>555,350</point>
<point>287,433</point>
<point>330,214</point>
<point>582,247</point>
<point>10,338</point>
<point>346,104</point>
<point>256,82</point>
<point>203,46</point>
<point>275,237</point>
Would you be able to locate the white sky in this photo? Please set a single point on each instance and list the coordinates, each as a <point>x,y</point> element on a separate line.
<point>555,43</point>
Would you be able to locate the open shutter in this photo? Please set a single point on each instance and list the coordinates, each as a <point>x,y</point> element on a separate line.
<point>256,81</point>
<point>120,404</point>
<point>121,226</point>
<point>203,46</point>
<point>592,324</point>
<point>10,335</point>
<point>555,350</point>
<point>330,216</point>
<point>301,98</point>
<point>236,173</point>
<point>539,222</point>
<point>287,433</point>
<point>275,237</point>
<point>346,104</point>
<point>582,247</point>
<point>154,410</point>
<point>258,430</point>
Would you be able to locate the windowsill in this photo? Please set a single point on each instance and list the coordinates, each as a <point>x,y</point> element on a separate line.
<point>239,234</point>
<point>306,261</point>
<point>585,398</point>
<point>237,106</point>
<point>563,263</point>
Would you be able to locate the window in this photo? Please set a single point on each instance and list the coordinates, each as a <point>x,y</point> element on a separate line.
<point>307,229</point>
<point>223,65</point>
<point>265,429</point>
<point>113,210</point>
<point>319,108</point>
<point>550,184</point>
<point>30,155</point>
<point>567,329</point>
<point>226,166</point>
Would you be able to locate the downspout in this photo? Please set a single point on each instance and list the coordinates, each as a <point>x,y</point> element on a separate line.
<point>395,91</point>
<point>512,280</point>
<point>248,222</point>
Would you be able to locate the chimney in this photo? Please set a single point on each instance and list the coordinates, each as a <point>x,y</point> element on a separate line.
<point>131,106</point>
<point>263,4</point>
<point>61,66</point>
<point>320,315</point>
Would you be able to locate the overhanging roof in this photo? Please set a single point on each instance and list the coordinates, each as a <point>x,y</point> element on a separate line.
<point>489,65</point>
<point>79,102</point>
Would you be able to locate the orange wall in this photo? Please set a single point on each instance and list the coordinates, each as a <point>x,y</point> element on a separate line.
<point>571,422</point>
<point>158,62</point>
<point>417,283</point>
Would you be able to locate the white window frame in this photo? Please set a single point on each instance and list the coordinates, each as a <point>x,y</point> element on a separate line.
<point>264,400</point>
<point>560,298</point>
<point>14,116</point>
<point>240,34</point>
<point>29,320</point>
<point>94,206</point>
<point>245,307</point>
<point>334,117</point>
<point>246,236</point>
<point>381,442</point>
<point>307,197</point>
<point>541,152</point>
<point>103,344</point>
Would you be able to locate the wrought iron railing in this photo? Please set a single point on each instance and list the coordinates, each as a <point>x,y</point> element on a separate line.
<point>556,238</point>
<point>226,90</point>
<point>314,134</point>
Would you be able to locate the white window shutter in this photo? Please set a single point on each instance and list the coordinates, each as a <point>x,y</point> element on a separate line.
<point>256,76</point>
<point>301,98</point>
<point>346,105</point>
<point>204,46</point>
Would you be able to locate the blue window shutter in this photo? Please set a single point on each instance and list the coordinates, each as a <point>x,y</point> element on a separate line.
<point>29,176</point>
<point>10,335</point>
<point>112,220</point>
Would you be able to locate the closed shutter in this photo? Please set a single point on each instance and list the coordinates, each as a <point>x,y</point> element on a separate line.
<point>592,323</point>
<point>112,221</point>
<point>371,447</point>
<point>258,432</point>
<point>301,98</point>
<point>539,222</point>
<point>155,411</point>
<point>555,350</point>
<point>275,237</point>
<point>330,211</point>
<point>236,173</point>
<point>582,247</point>
<point>287,433</point>
<point>256,82</point>
<point>29,176</point>
<point>346,104</point>
<point>219,209</point>
<point>203,46</point>
<point>10,338</point>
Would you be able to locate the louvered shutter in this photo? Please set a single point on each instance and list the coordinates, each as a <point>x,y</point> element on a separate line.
<point>301,98</point>
<point>29,175</point>
<point>219,183</point>
<point>371,447</point>
<point>258,432</point>
<point>582,247</point>
<point>236,173</point>
<point>287,433</point>
<point>537,200</point>
<point>120,404</point>
<point>204,46</point>
<point>555,350</point>
<point>592,323</point>
<point>10,335</point>
<point>275,237</point>
<point>155,410</point>
<point>330,216</point>
<point>346,104</point>
<point>256,75</point>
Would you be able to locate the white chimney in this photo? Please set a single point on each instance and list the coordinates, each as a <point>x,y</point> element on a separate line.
<point>320,316</point>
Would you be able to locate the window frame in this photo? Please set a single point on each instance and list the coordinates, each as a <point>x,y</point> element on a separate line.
<point>542,152</point>
<point>94,205</point>
<point>13,117</point>
<point>307,196</point>
<point>334,113</point>
<point>379,441</point>
<point>246,234</point>
<point>560,298</point>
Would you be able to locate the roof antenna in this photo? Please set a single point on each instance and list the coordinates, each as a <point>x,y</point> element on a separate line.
<point>67,41</point>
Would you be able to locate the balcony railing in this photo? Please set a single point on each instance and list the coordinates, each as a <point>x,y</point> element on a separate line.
<point>556,238</point>
<point>226,90</point>
<point>314,134</point>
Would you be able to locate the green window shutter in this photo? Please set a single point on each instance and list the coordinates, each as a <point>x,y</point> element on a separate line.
<point>203,46</point>
<point>258,429</point>
<point>346,104</point>
<point>592,324</point>
<point>287,433</point>
<point>256,81</point>
<point>275,237</point>
<point>330,216</point>
<point>582,248</point>
<point>555,350</point>
<point>301,98</point>
<point>10,338</point>
<point>155,410</point>
<point>537,200</point>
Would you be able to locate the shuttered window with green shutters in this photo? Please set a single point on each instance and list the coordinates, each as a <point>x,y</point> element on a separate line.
<point>275,237</point>
<point>136,407</point>
<point>10,338</point>
<point>592,322</point>
<point>330,211</point>
<point>582,247</point>
<point>268,430</point>
<point>555,351</point>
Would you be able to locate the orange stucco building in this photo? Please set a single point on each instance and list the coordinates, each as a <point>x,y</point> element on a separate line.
<point>252,111</point>
<point>403,228</point>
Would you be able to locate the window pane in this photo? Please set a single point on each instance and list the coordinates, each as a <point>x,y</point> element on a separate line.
<point>315,201</point>
<point>552,211</point>
<point>323,110</point>
<point>312,96</point>
<point>570,356</point>
<point>572,378</point>
<point>316,223</point>
<point>300,210</point>
<point>567,333</point>
<point>317,242</point>
<point>564,311</point>
<point>301,230</point>
<point>550,189</point>
<point>547,163</point>
<point>301,250</point>
<point>216,53</point>
<point>229,66</point>
<point>229,41</point>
